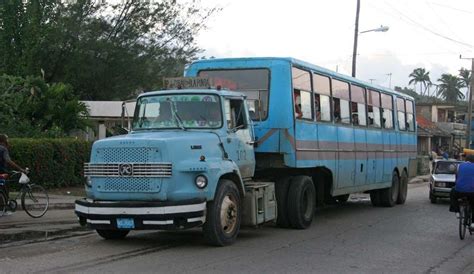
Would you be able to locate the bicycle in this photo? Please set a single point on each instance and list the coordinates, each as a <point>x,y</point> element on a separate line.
<point>34,198</point>
<point>465,218</point>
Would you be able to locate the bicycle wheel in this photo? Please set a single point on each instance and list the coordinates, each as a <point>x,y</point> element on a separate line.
<point>3,203</point>
<point>462,222</point>
<point>34,200</point>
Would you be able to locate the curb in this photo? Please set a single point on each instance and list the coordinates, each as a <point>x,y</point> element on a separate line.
<point>29,236</point>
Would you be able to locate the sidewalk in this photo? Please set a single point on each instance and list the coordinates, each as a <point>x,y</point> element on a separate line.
<point>58,221</point>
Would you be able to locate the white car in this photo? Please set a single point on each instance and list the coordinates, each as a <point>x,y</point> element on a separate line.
<point>443,179</point>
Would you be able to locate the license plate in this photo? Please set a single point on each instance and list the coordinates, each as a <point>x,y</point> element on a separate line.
<point>125,223</point>
<point>441,184</point>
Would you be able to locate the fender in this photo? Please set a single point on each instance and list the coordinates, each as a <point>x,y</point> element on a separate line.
<point>225,167</point>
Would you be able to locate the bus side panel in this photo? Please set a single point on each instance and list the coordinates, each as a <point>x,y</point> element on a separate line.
<point>388,154</point>
<point>361,167</point>
<point>306,144</point>
<point>346,156</point>
<point>327,143</point>
<point>374,162</point>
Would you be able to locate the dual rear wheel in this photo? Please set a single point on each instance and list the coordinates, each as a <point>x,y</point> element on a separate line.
<point>395,194</point>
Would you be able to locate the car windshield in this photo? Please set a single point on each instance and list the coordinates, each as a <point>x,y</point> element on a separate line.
<point>177,111</point>
<point>446,167</point>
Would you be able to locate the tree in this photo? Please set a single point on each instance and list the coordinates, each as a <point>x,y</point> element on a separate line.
<point>105,51</point>
<point>465,76</point>
<point>421,76</point>
<point>30,107</point>
<point>450,88</point>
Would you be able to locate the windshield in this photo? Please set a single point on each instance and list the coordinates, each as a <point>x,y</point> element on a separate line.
<point>446,167</point>
<point>178,111</point>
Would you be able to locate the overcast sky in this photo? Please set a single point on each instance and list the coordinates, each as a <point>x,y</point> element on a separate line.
<point>430,34</point>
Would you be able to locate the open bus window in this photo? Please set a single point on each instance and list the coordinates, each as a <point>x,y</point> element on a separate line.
<point>302,101</point>
<point>341,111</point>
<point>374,116</point>
<point>322,107</point>
<point>358,114</point>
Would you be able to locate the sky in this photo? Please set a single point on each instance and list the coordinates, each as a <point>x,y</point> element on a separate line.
<point>422,33</point>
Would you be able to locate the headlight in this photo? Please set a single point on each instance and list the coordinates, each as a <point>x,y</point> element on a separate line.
<point>88,181</point>
<point>201,181</point>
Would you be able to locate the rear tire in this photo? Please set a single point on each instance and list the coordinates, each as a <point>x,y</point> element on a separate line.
<point>112,234</point>
<point>224,215</point>
<point>301,202</point>
<point>462,222</point>
<point>282,187</point>
<point>389,196</point>
<point>403,192</point>
<point>35,201</point>
<point>3,203</point>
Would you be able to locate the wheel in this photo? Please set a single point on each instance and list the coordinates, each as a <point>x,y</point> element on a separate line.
<point>12,205</point>
<point>403,192</point>
<point>342,198</point>
<point>224,215</point>
<point>389,196</point>
<point>35,200</point>
<point>3,203</point>
<point>301,202</point>
<point>281,191</point>
<point>433,198</point>
<point>112,234</point>
<point>462,222</point>
<point>375,197</point>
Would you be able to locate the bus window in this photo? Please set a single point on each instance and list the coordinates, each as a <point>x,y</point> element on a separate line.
<point>410,118</point>
<point>358,106</point>
<point>340,91</point>
<point>303,108</point>
<point>322,93</point>
<point>387,111</point>
<point>373,108</point>
<point>254,83</point>
<point>401,114</point>
<point>301,79</point>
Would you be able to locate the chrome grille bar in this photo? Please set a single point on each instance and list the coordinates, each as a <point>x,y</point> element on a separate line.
<point>160,170</point>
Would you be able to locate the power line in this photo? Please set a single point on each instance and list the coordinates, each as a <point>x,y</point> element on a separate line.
<point>453,8</point>
<point>413,22</point>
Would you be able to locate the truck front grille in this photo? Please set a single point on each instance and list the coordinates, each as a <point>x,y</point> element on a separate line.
<point>133,154</point>
<point>127,170</point>
<point>115,184</point>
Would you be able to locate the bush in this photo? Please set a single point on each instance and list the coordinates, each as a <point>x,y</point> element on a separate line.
<point>53,162</point>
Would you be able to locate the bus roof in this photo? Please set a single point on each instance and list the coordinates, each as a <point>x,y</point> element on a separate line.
<point>225,93</point>
<point>316,68</point>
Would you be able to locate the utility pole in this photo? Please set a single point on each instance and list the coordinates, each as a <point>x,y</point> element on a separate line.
<point>356,35</point>
<point>469,104</point>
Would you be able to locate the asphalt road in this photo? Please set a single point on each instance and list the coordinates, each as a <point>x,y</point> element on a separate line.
<point>417,237</point>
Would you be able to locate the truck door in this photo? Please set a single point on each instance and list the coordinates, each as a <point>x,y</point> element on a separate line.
<point>238,142</point>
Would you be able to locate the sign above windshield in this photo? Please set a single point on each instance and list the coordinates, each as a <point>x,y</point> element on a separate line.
<point>187,83</point>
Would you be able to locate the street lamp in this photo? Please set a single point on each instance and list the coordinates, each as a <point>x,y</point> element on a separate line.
<point>356,34</point>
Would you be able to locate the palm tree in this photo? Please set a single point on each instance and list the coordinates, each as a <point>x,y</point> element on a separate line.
<point>450,87</point>
<point>465,76</point>
<point>420,75</point>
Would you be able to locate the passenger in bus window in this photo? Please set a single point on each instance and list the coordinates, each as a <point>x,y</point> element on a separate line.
<point>337,110</point>
<point>355,119</point>
<point>317,107</point>
<point>297,98</point>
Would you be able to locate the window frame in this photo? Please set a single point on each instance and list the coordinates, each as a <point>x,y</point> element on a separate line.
<point>378,106</point>
<point>300,90</point>
<point>364,99</point>
<point>382,94</point>
<point>329,95</point>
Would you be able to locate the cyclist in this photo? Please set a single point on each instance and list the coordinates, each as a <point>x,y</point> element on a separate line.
<point>464,185</point>
<point>5,160</point>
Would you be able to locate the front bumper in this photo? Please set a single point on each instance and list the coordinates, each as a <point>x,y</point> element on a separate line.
<point>441,191</point>
<point>144,215</point>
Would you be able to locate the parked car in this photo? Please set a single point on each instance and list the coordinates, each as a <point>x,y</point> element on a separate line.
<point>443,178</point>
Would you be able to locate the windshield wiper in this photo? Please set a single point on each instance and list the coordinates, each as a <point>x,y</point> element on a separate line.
<point>179,121</point>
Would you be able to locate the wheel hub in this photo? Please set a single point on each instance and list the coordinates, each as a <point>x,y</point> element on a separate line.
<point>228,215</point>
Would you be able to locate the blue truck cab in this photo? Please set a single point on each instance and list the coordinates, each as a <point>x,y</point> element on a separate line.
<point>183,164</point>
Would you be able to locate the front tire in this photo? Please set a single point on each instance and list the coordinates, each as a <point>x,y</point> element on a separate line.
<point>3,203</point>
<point>35,201</point>
<point>433,198</point>
<point>389,196</point>
<point>301,202</point>
<point>224,215</point>
<point>112,234</point>
<point>462,222</point>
